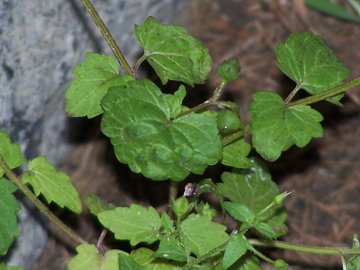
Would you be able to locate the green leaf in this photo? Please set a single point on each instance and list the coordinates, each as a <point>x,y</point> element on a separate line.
<point>306,59</point>
<point>145,258</point>
<point>175,101</point>
<point>332,9</point>
<point>10,152</point>
<point>266,230</point>
<point>171,250</point>
<point>281,264</point>
<point>251,187</point>
<point>246,263</point>
<point>173,53</point>
<point>166,222</point>
<point>88,258</point>
<point>93,78</point>
<point>10,267</point>
<point>138,120</point>
<point>200,235</point>
<point>239,212</point>
<point>97,205</point>
<point>180,206</point>
<point>52,184</point>
<point>8,209</point>
<point>135,223</point>
<point>275,127</point>
<point>235,154</point>
<point>277,222</point>
<point>127,263</point>
<point>235,249</point>
<point>354,261</point>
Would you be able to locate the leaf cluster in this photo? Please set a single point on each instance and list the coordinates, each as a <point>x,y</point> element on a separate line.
<point>159,137</point>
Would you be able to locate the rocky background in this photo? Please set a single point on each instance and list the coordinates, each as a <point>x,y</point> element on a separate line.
<point>40,42</point>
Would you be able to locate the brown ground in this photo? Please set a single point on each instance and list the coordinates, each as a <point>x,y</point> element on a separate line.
<point>324,178</point>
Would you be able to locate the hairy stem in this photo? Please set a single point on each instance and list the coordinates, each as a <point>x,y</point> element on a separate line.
<point>108,37</point>
<point>327,94</point>
<point>305,248</point>
<point>42,207</point>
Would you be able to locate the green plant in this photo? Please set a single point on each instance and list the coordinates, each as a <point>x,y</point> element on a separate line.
<point>157,136</point>
<point>335,10</point>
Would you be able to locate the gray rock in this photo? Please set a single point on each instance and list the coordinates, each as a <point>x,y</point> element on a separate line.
<point>40,42</point>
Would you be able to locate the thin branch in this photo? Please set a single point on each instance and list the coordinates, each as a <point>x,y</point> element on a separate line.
<point>108,37</point>
<point>173,190</point>
<point>327,94</point>
<point>42,207</point>
<point>304,248</point>
<point>292,94</point>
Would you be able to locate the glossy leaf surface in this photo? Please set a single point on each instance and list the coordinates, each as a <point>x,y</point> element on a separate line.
<point>138,119</point>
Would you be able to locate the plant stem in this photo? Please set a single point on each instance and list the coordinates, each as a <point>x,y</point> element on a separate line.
<point>42,207</point>
<point>196,108</point>
<point>173,189</point>
<point>292,94</point>
<point>305,248</point>
<point>218,92</point>
<point>206,256</point>
<point>233,137</point>
<point>108,37</point>
<point>262,256</point>
<point>213,100</point>
<point>327,94</point>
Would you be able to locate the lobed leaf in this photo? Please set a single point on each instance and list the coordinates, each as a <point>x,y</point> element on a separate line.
<point>88,258</point>
<point>10,152</point>
<point>54,185</point>
<point>306,59</point>
<point>135,223</point>
<point>200,235</point>
<point>138,119</point>
<point>93,78</point>
<point>276,127</point>
<point>173,53</point>
<point>251,187</point>
<point>235,154</point>
<point>9,206</point>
